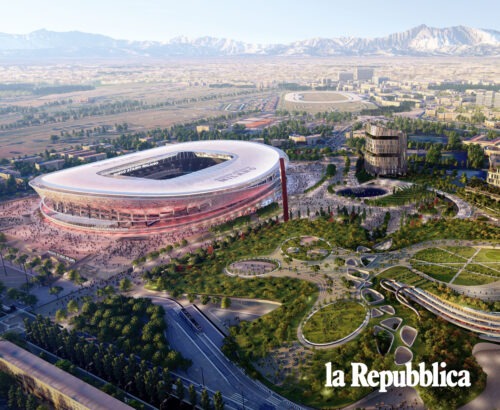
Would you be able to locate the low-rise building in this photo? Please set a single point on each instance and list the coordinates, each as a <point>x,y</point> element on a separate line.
<point>493,177</point>
<point>5,173</point>
<point>305,139</point>
<point>52,165</point>
<point>92,156</point>
<point>202,128</point>
<point>28,160</point>
<point>47,381</point>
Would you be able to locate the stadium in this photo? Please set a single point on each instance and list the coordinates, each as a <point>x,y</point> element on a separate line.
<point>195,182</point>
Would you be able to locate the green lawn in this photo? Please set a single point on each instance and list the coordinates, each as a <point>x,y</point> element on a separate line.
<point>405,275</point>
<point>403,196</point>
<point>334,322</point>
<point>474,267</point>
<point>437,256</point>
<point>305,251</point>
<point>488,255</point>
<point>464,251</point>
<point>470,279</point>
<point>442,273</point>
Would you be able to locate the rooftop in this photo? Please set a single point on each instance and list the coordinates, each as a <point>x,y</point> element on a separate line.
<point>248,162</point>
<point>67,384</point>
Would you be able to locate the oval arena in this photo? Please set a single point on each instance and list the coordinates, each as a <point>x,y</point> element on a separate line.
<point>195,182</point>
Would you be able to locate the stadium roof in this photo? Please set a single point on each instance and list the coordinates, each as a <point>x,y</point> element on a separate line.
<point>249,162</point>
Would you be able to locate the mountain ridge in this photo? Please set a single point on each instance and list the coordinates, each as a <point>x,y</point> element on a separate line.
<point>417,41</point>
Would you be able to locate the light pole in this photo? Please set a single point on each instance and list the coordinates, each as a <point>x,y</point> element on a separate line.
<point>3,265</point>
<point>242,397</point>
<point>202,377</point>
<point>26,277</point>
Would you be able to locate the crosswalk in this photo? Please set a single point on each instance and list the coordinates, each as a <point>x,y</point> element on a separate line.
<point>238,398</point>
<point>274,400</point>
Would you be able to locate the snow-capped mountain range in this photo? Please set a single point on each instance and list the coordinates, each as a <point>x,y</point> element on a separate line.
<point>418,41</point>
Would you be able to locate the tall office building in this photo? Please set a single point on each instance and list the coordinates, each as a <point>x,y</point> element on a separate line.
<point>385,151</point>
<point>346,76</point>
<point>488,99</point>
<point>364,74</point>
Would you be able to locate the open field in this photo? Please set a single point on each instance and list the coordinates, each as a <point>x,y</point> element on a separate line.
<point>334,322</point>
<point>488,255</point>
<point>315,97</point>
<point>464,251</point>
<point>438,256</point>
<point>202,102</point>
<point>491,271</point>
<point>439,272</point>
<point>470,279</point>
<point>405,275</point>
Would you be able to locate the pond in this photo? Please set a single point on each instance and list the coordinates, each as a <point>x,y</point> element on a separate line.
<point>362,192</point>
<point>460,156</point>
<point>428,138</point>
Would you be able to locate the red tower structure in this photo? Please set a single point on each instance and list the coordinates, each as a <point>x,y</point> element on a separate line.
<point>284,193</point>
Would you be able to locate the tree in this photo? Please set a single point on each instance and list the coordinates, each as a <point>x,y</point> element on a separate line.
<point>225,303</point>
<point>12,397</point>
<point>55,290</point>
<point>73,306</point>
<point>61,314</point>
<point>31,403</point>
<point>60,268</point>
<point>192,395</point>
<point>13,293</point>
<point>463,178</point>
<point>331,170</point>
<point>433,154</point>
<point>179,389</point>
<point>205,400</point>
<point>54,138</point>
<point>218,401</point>
<point>475,156</point>
<point>125,285</point>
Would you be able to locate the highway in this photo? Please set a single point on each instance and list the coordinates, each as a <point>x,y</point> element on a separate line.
<point>211,368</point>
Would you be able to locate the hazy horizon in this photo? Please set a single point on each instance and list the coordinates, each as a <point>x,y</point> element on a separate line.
<point>262,22</point>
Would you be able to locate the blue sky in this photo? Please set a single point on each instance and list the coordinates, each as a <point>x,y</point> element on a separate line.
<point>262,21</point>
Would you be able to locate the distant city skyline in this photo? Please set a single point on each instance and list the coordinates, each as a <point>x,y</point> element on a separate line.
<point>261,21</point>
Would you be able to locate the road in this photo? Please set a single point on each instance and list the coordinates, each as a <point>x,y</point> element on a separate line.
<point>211,368</point>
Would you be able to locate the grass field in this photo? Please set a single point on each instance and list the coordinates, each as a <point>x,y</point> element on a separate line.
<point>403,196</point>
<point>441,273</point>
<point>474,267</point>
<point>488,255</point>
<point>464,251</point>
<point>334,322</point>
<point>437,256</point>
<point>192,103</point>
<point>405,275</point>
<point>470,279</point>
<point>322,96</point>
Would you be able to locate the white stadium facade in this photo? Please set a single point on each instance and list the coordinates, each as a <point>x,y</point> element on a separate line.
<point>194,182</point>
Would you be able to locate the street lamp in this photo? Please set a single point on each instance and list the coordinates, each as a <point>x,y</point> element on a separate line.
<point>26,277</point>
<point>242,397</point>
<point>3,265</point>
